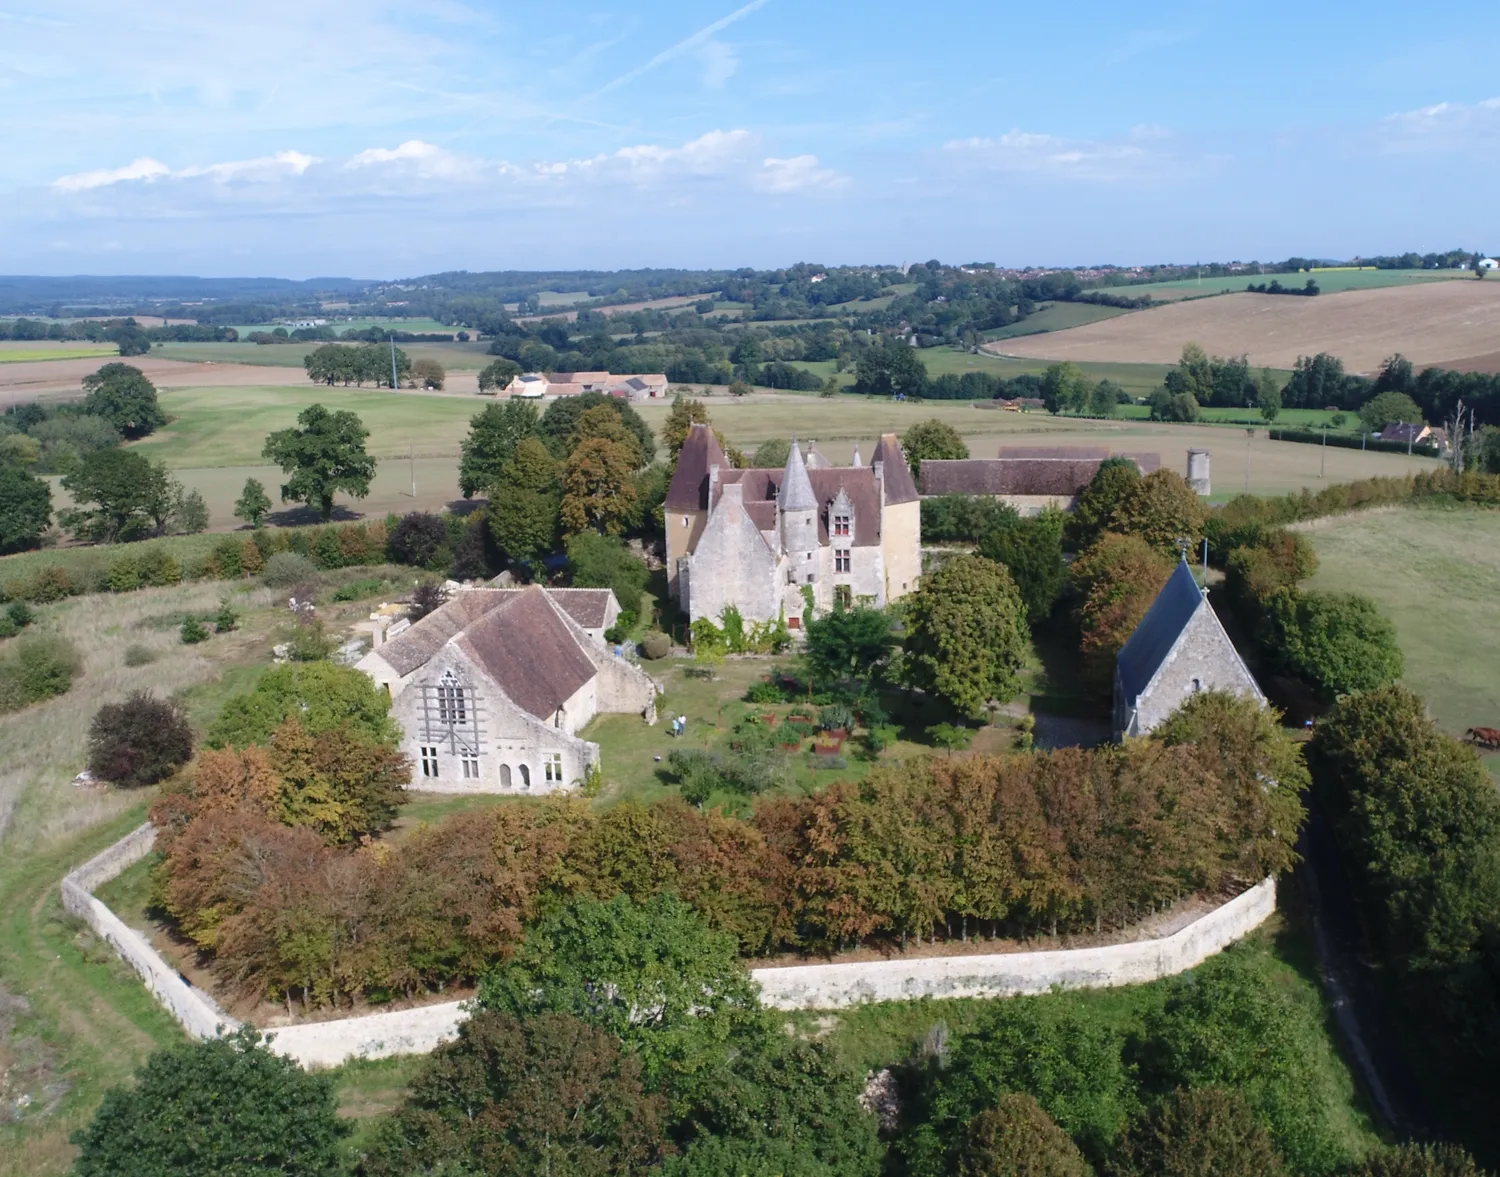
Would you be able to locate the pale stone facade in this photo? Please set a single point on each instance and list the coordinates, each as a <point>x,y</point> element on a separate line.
<point>763,541</point>
<point>492,689</point>
<point>1179,649</point>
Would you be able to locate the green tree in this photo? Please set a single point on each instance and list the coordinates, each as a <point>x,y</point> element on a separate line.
<point>544,1095</point>
<point>890,367</point>
<point>1193,375</point>
<point>684,415</point>
<point>121,395</point>
<point>1114,483</point>
<point>558,427</point>
<point>966,633</point>
<point>1104,399</point>
<point>498,374</point>
<point>494,434</point>
<point>772,454</point>
<point>598,488</point>
<point>1419,1160</point>
<point>253,503</point>
<point>226,1107</point>
<point>604,561</point>
<point>848,643</point>
<point>1268,395</point>
<point>1115,581</point>
<point>1169,406</point>
<point>428,374</point>
<point>651,974</point>
<point>1065,389</point>
<point>25,509</point>
<point>1336,642</point>
<point>1387,408</point>
<point>931,439</point>
<point>1031,549</point>
<point>321,695</point>
<point>1202,1132</point>
<point>526,503</point>
<point>1015,1138</point>
<point>189,511</point>
<point>1162,509</point>
<point>117,495</point>
<point>325,454</point>
<point>603,423</point>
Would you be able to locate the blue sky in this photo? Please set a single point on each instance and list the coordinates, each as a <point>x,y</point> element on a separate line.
<point>376,139</point>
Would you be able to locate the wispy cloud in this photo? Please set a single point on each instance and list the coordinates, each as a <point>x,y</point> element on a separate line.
<point>687,44</point>
<point>720,63</point>
<point>1441,127</point>
<point>262,170</point>
<point>1146,149</point>
<point>1141,41</point>
<point>145,168</point>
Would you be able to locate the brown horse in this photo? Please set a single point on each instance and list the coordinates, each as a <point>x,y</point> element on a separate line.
<point>1484,737</point>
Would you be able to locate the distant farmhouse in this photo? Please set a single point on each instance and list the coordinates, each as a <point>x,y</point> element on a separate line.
<point>1408,434</point>
<point>492,688</point>
<point>1030,478</point>
<point>1179,649</point>
<point>533,385</point>
<point>772,542</point>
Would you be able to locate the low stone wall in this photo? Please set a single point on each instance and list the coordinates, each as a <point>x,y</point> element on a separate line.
<point>193,1008</point>
<point>1011,974</point>
<point>822,986</point>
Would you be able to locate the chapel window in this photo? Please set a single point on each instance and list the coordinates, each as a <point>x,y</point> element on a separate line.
<point>452,706</point>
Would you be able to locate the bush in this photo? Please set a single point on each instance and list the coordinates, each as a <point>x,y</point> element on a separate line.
<point>321,695</point>
<point>764,692</point>
<point>420,539</point>
<point>426,598</point>
<point>8,628</point>
<point>226,619</point>
<point>1016,1138</point>
<point>20,614</point>
<point>1419,1160</point>
<point>227,1105</point>
<point>1202,1132</point>
<point>307,641</point>
<point>193,631</point>
<point>37,667</point>
<point>656,645</point>
<point>1336,642</point>
<point>49,584</point>
<point>138,655</point>
<point>285,569</point>
<point>140,741</point>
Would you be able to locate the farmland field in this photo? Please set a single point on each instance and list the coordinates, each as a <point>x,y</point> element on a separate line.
<point>1426,322</point>
<point>1329,282</point>
<point>339,326</point>
<point>1057,316</point>
<point>19,352</point>
<point>1436,573</point>
<point>458,356</point>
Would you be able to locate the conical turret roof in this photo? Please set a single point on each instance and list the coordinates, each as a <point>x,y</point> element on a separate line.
<point>796,488</point>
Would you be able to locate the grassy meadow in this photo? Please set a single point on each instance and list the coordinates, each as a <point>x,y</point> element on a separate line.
<point>455,356</point>
<point>1329,282</point>
<point>1056,316</point>
<point>22,353</point>
<point>1436,574</point>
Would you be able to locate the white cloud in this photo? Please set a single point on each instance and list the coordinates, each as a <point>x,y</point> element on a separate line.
<point>801,173</point>
<point>425,160</point>
<point>1441,127</point>
<point>720,63</point>
<point>1083,159</point>
<point>144,168</point>
<point>263,170</point>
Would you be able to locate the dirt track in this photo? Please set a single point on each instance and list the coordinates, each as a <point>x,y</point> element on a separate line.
<point>1431,323</point>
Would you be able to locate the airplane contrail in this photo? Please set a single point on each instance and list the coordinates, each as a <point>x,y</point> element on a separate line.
<point>676,50</point>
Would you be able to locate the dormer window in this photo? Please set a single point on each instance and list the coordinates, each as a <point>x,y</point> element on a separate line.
<point>841,524</point>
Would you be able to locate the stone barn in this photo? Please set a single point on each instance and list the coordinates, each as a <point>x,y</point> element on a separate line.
<point>492,688</point>
<point>1177,650</point>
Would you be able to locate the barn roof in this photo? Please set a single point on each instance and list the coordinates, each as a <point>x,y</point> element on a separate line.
<point>1147,648</point>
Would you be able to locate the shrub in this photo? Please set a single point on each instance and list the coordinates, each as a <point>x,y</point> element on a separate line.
<point>49,584</point>
<point>307,641</point>
<point>323,696</point>
<point>763,691</point>
<point>951,737</point>
<point>228,558</point>
<point>420,539</point>
<point>285,569</point>
<point>1201,1132</point>
<point>193,631</point>
<point>138,655</point>
<point>37,667</point>
<point>125,574</point>
<point>226,1105</point>
<point>252,563</point>
<point>1419,1160</point>
<point>20,614</point>
<point>226,619</point>
<point>1016,1138</point>
<point>158,567</point>
<point>357,590</point>
<point>836,716</point>
<point>140,741</point>
<point>1336,642</point>
<point>426,598</point>
<point>8,628</point>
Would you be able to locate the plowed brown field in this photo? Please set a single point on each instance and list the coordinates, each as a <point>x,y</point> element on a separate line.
<point>1431,323</point>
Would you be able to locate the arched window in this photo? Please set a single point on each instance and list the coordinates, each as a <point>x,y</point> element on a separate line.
<point>452,707</point>
<point>525,777</point>
<point>505,776</point>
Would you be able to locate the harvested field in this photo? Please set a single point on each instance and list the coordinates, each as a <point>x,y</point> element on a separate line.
<point>655,304</point>
<point>1329,282</point>
<point>1426,323</point>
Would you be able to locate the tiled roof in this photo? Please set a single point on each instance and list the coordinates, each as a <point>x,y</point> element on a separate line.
<point>530,652</point>
<point>995,476</point>
<point>761,489</point>
<point>899,487</point>
<point>587,606</point>
<point>1075,452</point>
<point>1153,639</point>
<point>688,490</point>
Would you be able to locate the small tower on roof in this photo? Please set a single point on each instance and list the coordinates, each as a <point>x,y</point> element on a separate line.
<point>798,506</point>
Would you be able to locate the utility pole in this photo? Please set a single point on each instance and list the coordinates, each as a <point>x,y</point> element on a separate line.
<point>1323,460</point>
<point>1249,437</point>
<point>411,456</point>
<point>394,385</point>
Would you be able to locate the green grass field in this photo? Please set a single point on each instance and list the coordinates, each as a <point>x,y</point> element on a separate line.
<point>1056,316</point>
<point>1329,282</point>
<point>1436,573</point>
<point>339,326</point>
<point>1287,418</point>
<point>457,356</point>
<point>86,351</point>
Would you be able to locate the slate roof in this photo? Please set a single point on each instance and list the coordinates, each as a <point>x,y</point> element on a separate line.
<point>796,488</point>
<point>688,490</point>
<point>1147,648</point>
<point>587,606</point>
<point>528,649</point>
<point>1074,452</point>
<point>996,476</point>
<point>899,487</point>
<point>762,487</point>
<point>1404,430</point>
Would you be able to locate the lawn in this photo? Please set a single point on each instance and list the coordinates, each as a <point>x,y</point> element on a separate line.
<point>1056,316</point>
<point>1436,574</point>
<point>20,355</point>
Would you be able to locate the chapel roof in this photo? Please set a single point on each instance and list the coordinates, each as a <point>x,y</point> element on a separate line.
<point>1147,648</point>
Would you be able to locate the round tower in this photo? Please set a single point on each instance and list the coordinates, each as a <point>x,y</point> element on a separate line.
<point>798,507</point>
<point>1197,471</point>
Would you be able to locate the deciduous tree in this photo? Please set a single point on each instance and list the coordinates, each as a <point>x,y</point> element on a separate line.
<point>1201,1132</point>
<point>121,395</point>
<point>1115,580</point>
<point>1015,1138</point>
<point>684,415</point>
<point>526,502</point>
<point>322,695</point>
<point>494,434</point>
<point>1031,550</point>
<point>498,374</point>
<point>253,502</point>
<point>598,491</point>
<point>848,643</point>
<point>931,439</point>
<point>140,741</point>
<point>324,454</point>
<point>966,633</point>
<point>25,508</point>
<point>118,495</point>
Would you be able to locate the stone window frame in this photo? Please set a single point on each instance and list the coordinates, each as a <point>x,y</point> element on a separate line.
<point>552,768</point>
<point>429,761</point>
<point>470,767</point>
<point>843,596</point>
<point>843,525</point>
<point>843,559</point>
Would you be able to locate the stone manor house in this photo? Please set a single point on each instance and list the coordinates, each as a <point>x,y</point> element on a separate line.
<point>492,688</point>
<point>768,542</point>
